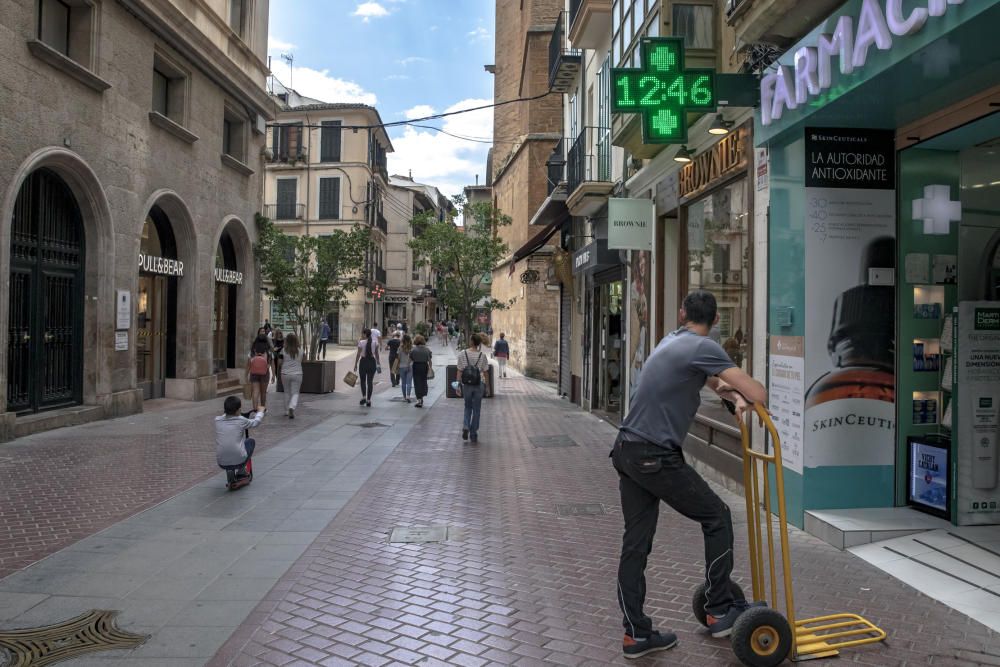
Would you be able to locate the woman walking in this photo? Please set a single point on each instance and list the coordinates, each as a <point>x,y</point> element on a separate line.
<point>278,342</point>
<point>291,373</point>
<point>259,368</point>
<point>501,352</point>
<point>366,363</point>
<point>472,363</point>
<point>404,366</point>
<point>393,345</point>
<point>420,362</point>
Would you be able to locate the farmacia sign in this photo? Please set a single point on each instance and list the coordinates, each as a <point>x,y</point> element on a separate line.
<point>877,23</point>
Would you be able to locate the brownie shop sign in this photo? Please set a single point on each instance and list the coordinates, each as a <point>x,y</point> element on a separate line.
<point>630,224</point>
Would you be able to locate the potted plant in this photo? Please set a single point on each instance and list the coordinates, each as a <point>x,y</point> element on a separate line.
<point>305,274</point>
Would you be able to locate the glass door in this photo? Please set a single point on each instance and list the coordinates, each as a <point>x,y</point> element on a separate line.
<point>151,335</point>
<point>610,350</point>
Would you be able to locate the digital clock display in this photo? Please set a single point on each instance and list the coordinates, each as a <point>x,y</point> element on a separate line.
<point>662,90</point>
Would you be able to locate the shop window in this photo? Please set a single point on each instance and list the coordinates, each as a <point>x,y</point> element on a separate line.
<point>718,247</point>
<point>696,24</point>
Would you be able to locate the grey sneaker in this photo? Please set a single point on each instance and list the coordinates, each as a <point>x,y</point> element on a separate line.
<point>636,647</point>
<point>722,626</point>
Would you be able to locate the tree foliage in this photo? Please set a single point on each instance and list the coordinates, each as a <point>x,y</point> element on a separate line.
<point>463,257</point>
<point>306,274</point>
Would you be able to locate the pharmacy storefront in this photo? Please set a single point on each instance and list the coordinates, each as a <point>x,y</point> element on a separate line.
<point>882,136</point>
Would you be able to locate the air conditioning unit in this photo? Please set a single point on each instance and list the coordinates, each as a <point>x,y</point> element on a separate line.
<point>716,278</point>
<point>734,277</point>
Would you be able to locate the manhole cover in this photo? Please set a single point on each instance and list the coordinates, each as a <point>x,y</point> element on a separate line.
<point>418,534</point>
<point>46,645</point>
<point>581,509</point>
<point>371,425</point>
<point>552,441</point>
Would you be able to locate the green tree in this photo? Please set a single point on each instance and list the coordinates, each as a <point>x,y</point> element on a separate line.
<point>463,257</point>
<point>308,273</point>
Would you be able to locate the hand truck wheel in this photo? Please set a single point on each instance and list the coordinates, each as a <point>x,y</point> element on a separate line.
<point>761,637</point>
<point>699,600</point>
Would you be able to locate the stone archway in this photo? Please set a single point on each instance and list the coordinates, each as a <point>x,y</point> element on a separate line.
<point>188,316</point>
<point>246,294</point>
<point>98,271</point>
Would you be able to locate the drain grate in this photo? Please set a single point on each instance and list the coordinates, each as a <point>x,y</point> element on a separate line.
<point>548,441</point>
<point>371,425</point>
<point>418,534</point>
<point>581,509</point>
<point>48,644</point>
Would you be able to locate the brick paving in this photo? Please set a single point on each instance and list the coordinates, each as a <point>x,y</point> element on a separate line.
<point>61,486</point>
<point>516,583</point>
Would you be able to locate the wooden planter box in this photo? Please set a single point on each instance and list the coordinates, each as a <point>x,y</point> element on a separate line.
<point>318,377</point>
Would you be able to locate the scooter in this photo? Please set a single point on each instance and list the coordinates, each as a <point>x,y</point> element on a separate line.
<point>240,475</point>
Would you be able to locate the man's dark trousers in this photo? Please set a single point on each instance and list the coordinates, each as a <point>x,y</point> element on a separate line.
<point>648,474</point>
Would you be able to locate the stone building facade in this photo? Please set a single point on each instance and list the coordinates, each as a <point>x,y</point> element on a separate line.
<point>525,135</point>
<point>326,169</point>
<point>130,173</point>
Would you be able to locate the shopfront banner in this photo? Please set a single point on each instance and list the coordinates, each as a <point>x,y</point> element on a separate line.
<point>630,224</point>
<point>850,245</point>
<point>977,401</point>
<point>786,395</point>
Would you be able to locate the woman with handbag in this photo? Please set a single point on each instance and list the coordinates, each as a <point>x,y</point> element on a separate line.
<point>366,363</point>
<point>393,345</point>
<point>404,367</point>
<point>420,362</point>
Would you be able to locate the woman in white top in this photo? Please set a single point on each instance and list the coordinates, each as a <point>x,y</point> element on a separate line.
<point>291,373</point>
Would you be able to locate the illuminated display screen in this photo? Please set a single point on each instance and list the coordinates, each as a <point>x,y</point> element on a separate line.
<point>662,90</point>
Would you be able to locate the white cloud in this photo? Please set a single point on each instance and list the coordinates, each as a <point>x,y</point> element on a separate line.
<point>319,85</point>
<point>441,160</point>
<point>419,111</point>
<point>397,77</point>
<point>412,60</point>
<point>370,10</point>
<point>277,45</point>
<point>479,33</point>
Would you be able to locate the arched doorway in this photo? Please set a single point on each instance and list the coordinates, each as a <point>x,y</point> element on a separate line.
<point>228,279</point>
<point>46,303</point>
<point>156,305</point>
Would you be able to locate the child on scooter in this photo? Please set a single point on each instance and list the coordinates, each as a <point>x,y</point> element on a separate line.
<point>232,448</point>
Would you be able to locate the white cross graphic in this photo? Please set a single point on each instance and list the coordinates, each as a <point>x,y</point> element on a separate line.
<point>937,210</point>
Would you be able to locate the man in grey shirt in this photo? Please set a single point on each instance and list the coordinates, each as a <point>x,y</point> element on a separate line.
<point>651,468</point>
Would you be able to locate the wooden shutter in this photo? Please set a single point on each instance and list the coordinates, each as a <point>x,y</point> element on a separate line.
<point>287,191</point>
<point>329,198</point>
<point>330,141</point>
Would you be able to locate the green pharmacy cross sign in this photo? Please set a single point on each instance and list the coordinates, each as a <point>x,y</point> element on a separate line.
<point>662,90</point>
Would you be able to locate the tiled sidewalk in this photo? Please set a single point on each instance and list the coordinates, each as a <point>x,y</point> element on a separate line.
<point>517,583</point>
<point>60,486</point>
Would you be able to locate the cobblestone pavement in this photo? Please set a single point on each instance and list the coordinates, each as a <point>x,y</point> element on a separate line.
<point>519,583</point>
<point>60,486</point>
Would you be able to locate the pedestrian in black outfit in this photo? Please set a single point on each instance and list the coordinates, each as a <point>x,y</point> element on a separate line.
<point>393,345</point>
<point>366,364</point>
<point>651,467</point>
<point>420,361</point>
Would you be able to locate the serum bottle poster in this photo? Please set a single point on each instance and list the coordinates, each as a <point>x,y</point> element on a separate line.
<point>850,298</point>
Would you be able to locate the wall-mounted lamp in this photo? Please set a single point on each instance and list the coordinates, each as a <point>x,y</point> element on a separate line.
<point>720,126</point>
<point>683,155</point>
<point>936,210</point>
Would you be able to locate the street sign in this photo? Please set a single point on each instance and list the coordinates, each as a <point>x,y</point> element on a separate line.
<point>662,90</point>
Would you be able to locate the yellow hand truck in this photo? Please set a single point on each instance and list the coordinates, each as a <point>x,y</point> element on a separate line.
<point>763,636</point>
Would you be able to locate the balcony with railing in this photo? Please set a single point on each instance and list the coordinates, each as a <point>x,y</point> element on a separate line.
<point>589,23</point>
<point>776,22</point>
<point>564,62</point>
<point>588,171</point>
<point>285,212</point>
<point>380,275</point>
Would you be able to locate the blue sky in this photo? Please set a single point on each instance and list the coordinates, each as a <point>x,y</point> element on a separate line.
<point>409,58</point>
